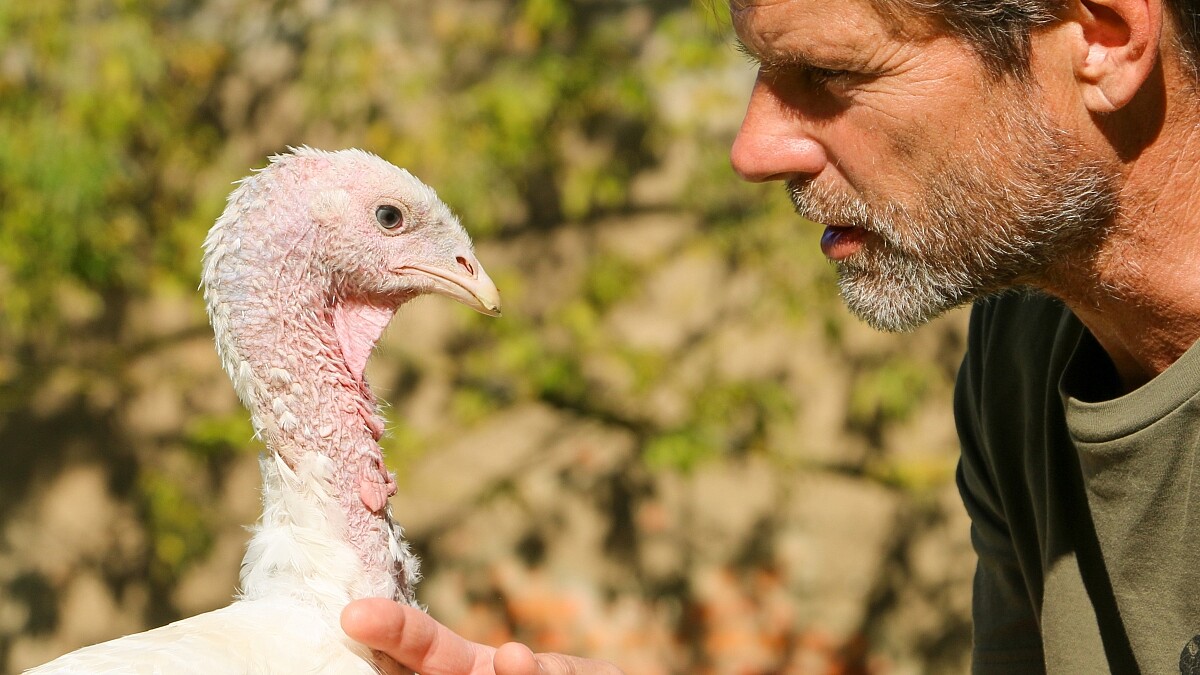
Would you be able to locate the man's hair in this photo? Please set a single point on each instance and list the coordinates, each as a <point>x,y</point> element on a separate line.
<point>999,30</point>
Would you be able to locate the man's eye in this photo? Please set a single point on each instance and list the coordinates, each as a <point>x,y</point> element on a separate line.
<point>824,77</point>
<point>811,77</point>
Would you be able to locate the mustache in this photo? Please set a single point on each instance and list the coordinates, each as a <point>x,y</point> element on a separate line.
<point>821,204</point>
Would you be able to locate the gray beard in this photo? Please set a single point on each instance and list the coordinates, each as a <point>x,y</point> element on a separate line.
<point>997,218</point>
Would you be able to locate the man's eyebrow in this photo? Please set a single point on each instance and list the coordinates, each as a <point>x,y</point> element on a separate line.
<point>773,61</point>
<point>798,60</point>
<point>744,50</point>
<point>761,60</point>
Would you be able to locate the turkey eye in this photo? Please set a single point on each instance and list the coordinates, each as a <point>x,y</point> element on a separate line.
<point>389,217</point>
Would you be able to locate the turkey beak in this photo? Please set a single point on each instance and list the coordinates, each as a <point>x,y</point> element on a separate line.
<point>466,282</point>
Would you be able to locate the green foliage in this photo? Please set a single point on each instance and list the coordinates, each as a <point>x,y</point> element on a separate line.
<point>97,109</point>
<point>178,526</point>
<point>402,445</point>
<point>609,280</point>
<point>646,366</point>
<point>472,404</point>
<point>542,16</point>
<point>680,450</point>
<point>558,377</point>
<point>889,391</point>
<point>725,417</point>
<point>518,364</point>
<point>915,476</point>
<point>221,436</point>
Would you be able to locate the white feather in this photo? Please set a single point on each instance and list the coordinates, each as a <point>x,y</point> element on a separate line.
<point>297,574</point>
<point>229,640</point>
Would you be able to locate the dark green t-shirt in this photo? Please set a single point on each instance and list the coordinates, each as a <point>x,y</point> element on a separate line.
<point>1084,503</point>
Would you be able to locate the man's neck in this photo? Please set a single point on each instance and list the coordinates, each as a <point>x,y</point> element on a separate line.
<point>1139,294</point>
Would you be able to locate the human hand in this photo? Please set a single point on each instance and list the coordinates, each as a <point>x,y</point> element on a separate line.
<point>415,640</point>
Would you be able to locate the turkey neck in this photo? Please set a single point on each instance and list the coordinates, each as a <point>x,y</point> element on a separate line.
<point>317,401</point>
<point>295,346</point>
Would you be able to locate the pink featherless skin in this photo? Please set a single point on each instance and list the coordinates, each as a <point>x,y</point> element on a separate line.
<point>302,272</point>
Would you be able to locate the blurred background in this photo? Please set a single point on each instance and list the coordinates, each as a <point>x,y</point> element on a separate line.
<point>676,450</point>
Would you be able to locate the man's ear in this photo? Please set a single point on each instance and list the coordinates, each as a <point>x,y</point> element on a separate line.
<point>1118,50</point>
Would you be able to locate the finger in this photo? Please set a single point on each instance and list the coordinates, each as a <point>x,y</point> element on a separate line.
<point>413,638</point>
<point>514,658</point>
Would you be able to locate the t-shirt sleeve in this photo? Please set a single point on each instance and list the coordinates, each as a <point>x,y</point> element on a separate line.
<point>1007,638</point>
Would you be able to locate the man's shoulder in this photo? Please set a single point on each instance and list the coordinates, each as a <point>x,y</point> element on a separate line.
<point>1018,345</point>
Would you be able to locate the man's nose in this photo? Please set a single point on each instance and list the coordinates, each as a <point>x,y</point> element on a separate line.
<point>771,143</point>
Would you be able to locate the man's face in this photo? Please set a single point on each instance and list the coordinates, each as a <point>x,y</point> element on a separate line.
<point>937,181</point>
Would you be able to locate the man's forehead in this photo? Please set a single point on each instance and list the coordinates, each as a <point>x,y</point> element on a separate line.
<point>897,17</point>
<point>770,28</point>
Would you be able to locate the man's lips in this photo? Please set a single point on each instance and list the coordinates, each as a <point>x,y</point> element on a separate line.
<point>839,243</point>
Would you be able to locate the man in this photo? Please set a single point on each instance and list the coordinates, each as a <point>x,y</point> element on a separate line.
<point>958,149</point>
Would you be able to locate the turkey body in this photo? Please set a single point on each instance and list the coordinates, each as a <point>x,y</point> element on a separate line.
<point>230,640</point>
<point>296,575</point>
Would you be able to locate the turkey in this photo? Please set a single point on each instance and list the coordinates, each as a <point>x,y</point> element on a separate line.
<point>302,272</point>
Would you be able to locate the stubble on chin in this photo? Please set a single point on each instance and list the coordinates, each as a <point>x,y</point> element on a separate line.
<point>1001,216</point>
